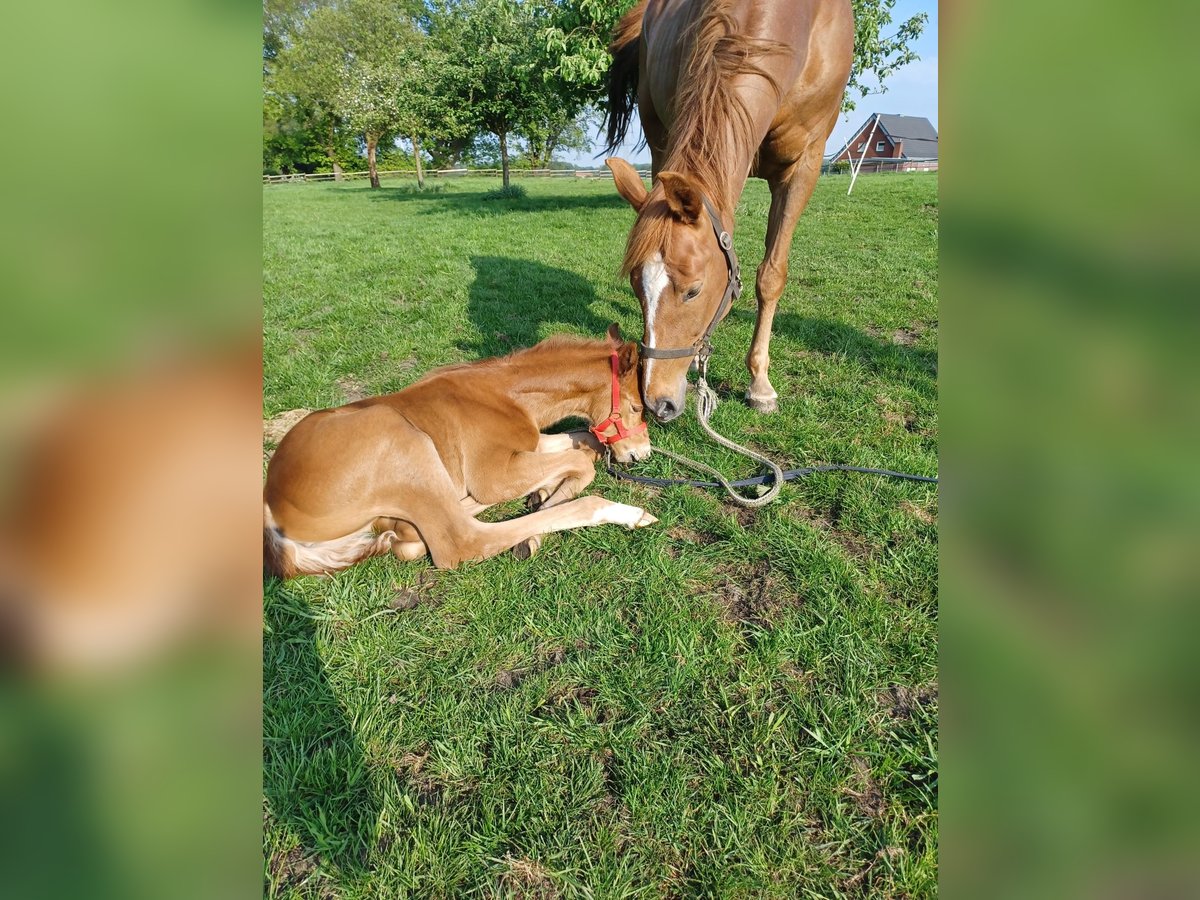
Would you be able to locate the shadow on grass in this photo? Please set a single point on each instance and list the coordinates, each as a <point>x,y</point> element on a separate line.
<point>882,355</point>
<point>511,300</point>
<point>472,203</point>
<point>315,778</point>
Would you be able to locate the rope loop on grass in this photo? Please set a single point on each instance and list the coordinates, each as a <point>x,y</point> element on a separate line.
<point>706,404</point>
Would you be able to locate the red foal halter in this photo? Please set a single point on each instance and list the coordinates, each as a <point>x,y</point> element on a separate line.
<point>614,418</point>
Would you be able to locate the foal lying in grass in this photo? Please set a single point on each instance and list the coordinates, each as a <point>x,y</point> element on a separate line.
<point>408,472</point>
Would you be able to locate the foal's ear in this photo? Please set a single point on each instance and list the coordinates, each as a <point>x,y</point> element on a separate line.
<point>628,181</point>
<point>682,195</point>
<point>614,336</point>
<point>627,358</point>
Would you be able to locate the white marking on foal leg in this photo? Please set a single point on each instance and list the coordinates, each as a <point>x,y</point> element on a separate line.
<point>654,282</point>
<point>622,514</point>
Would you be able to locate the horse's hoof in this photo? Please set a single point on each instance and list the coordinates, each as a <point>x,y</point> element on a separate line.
<point>527,548</point>
<point>769,405</point>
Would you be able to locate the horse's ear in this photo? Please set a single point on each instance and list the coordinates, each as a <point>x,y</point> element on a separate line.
<point>614,336</point>
<point>627,358</point>
<point>629,183</point>
<point>683,196</point>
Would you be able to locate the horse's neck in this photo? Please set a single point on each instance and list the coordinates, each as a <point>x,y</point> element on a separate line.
<point>548,389</point>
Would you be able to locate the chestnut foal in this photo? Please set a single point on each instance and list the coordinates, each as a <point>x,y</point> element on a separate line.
<point>408,472</point>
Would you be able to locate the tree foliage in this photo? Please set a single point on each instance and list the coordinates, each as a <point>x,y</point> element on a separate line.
<point>877,56</point>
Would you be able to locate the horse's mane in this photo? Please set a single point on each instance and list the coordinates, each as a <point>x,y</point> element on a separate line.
<point>712,123</point>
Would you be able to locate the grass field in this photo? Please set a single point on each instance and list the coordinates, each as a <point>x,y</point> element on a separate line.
<point>727,704</point>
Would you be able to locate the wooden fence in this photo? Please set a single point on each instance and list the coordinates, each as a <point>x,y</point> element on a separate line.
<point>868,165</point>
<point>602,172</point>
<point>881,164</point>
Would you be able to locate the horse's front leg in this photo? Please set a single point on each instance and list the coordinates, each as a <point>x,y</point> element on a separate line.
<point>789,196</point>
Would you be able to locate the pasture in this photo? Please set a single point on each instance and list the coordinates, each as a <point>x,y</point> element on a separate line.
<point>728,703</point>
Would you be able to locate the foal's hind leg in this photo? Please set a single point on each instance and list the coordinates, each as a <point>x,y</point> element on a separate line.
<point>453,536</point>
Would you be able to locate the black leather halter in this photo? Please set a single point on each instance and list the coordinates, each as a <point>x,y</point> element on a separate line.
<point>733,290</point>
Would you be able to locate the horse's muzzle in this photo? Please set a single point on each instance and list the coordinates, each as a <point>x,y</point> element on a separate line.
<point>665,409</point>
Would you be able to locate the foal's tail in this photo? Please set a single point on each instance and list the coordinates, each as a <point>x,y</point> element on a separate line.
<point>286,558</point>
<point>623,75</point>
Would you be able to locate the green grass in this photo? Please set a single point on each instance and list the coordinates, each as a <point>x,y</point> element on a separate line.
<point>729,703</point>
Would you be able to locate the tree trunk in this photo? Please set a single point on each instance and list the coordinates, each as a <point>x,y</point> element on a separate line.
<point>372,142</point>
<point>332,151</point>
<point>504,155</point>
<point>417,156</point>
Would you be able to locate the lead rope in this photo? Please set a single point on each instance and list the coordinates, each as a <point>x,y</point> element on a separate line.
<point>706,405</point>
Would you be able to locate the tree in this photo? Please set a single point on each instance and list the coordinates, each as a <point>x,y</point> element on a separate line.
<point>305,57</point>
<point>365,66</point>
<point>499,60</point>
<point>555,129</point>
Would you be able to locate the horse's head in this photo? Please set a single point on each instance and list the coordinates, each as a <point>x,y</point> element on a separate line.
<point>679,273</point>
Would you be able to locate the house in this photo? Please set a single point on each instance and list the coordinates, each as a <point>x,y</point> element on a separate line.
<point>910,141</point>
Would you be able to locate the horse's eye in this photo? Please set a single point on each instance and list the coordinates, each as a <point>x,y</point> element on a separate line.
<point>692,293</point>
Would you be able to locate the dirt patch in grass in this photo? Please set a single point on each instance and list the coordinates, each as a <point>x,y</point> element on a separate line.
<point>291,868</point>
<point>753,595</point>
<point>352,389</point>
<point>745,515</point>
<point>302,338</point>
<point>920,513</point>
<point>563,698</point>
<point>275,428</point>
<point>852,543</point>
<point>894,415</point>
<point>526,879</point>
<point>867,794</point>
<point>691,536</point>
<point>545,659</point>
<point>902,701</point>
<point>429,790</point>
<point>858,880</point>
<point>424,592</point>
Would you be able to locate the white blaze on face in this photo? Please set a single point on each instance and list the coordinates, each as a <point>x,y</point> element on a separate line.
<point>654,282</point>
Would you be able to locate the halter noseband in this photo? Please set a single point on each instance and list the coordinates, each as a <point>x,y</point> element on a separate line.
<point>733,290</point>
<point>614,418</point>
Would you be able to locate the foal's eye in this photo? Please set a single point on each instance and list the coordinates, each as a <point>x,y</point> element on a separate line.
<point>692,293</point>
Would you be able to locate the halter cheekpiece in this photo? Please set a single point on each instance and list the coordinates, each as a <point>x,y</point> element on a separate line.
<point>614,418</point>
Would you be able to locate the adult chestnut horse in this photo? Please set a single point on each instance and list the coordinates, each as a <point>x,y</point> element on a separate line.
<point>726,89</point>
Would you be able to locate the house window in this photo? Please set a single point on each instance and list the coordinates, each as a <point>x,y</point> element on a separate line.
<point>881,146</point>
<point>862,147</point>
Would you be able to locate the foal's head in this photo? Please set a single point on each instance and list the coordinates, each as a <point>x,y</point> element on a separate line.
<point>636,444</point>
<point>678,272</point>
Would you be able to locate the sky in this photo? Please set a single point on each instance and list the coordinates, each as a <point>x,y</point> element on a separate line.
<point>910,91</point>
